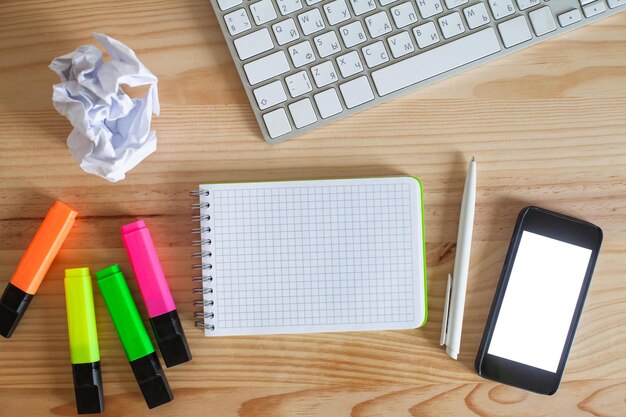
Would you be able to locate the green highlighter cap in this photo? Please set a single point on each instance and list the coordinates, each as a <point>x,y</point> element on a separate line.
<point>139,350</point>
<point>124,314</point>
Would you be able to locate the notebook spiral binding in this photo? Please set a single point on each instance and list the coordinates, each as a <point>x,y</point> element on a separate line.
<point>202,268</point>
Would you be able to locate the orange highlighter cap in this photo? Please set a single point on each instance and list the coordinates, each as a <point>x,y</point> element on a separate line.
<point>44,247</point>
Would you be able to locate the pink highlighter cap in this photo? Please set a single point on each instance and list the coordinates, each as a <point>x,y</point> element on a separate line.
<point>148,272</point>
<point>164,320</point>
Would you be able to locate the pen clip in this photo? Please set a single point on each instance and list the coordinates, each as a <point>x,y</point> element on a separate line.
<point>446,306</point>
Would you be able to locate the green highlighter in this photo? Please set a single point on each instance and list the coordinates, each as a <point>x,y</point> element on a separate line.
<point>83,335</point>
<point>134,337</point>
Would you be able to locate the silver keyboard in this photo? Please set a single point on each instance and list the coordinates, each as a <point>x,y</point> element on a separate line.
<point>306,63</point>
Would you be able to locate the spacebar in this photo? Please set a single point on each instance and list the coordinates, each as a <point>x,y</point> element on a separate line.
<point>436,61</point>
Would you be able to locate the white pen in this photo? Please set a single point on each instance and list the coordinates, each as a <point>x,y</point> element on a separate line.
<point>454,304</point>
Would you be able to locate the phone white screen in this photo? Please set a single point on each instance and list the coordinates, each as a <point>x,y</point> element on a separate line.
<point>539,301</point>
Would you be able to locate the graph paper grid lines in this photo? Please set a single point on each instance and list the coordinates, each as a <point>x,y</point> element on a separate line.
<point>311,256</point>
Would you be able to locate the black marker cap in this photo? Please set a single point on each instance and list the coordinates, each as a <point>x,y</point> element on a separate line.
<point>152,381</point>
<point>171,339</point>
<point>13,304</point>
<point>88,387</point>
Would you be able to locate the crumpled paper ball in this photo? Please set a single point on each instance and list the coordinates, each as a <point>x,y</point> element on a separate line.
<point>111,132</point>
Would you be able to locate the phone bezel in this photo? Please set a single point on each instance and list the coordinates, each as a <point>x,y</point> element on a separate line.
<point>556,226</point>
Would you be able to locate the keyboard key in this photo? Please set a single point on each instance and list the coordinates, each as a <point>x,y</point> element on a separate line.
<point>267,67</point>
<point>593,9</point>
<point>263,11</point>
<point>451,25</point>
<point>301,54</point>
<point>237,21</point>
<point>429,8</point>
<point>426,35</point>
<point>353,34</point>
<point>476,15</point>
<point>378,24</point>
<point>285,31</point>
<point>288,6</point>
<point>336,12</point>
<point>362,6</point>
<point>328,103</point>
<point>228,4</point>
<point>324,74</point>
<point>302,113</point>
<point>614,3</point>
<point>312,2</point>
<point>451,4</point>
<point>583,2</point>
<point>270,94</point>
<point>571,17</point>
<point>298,83</point>
<point>375,54</point>
<point>311,22</point>
<point>253,44</point>
<point>542,21</point>
<point>349,64</point>
<point>514,31</point>
<point>356,92</point>
<point>277,123</point>
<point>527,4</point>
<point>400,44</point>
<point>501,8</point>
<point>403,15</point>
<point>327,44</point>
<point>386,2</point>
<point>436,61</point>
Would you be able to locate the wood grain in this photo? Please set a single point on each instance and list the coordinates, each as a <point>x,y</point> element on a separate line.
<point>547,126</point>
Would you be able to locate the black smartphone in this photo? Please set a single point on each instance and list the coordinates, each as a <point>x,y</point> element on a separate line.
<point>539,300</point>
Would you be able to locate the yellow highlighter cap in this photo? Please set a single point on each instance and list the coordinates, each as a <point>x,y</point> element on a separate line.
<point>81,316</point>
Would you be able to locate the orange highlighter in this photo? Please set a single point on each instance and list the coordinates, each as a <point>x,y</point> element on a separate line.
<point>34,265</point>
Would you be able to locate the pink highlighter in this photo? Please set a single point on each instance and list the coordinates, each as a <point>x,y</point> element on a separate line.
<point>156,294</point>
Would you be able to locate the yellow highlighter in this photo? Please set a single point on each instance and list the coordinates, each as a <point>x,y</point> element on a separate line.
<point>83,335</point>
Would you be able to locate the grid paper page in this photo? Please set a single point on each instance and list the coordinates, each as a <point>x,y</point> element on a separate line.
<point>312,256</point>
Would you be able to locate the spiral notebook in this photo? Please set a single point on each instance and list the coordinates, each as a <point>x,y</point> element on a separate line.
<point>310,256</point>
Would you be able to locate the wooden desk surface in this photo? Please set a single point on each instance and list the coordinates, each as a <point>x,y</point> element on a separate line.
<point>547,126</point>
